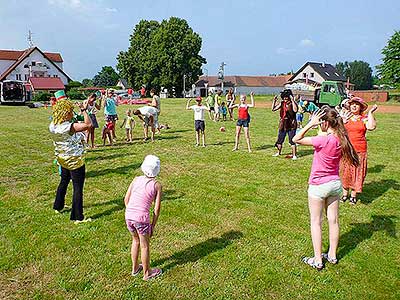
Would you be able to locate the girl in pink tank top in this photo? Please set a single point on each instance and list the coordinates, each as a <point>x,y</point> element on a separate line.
<point>142,192</point>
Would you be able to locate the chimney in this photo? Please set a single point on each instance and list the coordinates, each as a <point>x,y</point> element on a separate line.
<point>323,64</point>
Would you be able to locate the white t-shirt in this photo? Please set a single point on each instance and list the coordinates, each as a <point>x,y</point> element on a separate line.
<point>148,111</point>
<point>198,111</point>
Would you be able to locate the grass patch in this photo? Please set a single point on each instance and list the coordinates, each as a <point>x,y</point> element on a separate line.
<point>232,225</point>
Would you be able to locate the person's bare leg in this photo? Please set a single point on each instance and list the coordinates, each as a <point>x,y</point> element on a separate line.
<point>279,147</point>
<point>153,131</point>
<point>127,134</point>
<point>247,135</point>
<point>146,132</point>
<point>197,137</point>
<point>294,150</point>
<point>113,130</point>
<point>238,129</point>
<point>145,253</point>
<point>203,135</point>
<point>332,213</point>
<point>92,137</point>
<point>316,207</point>
<point>130,135</point>
<point>135,252</point>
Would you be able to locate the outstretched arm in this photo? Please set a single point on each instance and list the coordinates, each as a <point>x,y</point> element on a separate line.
<point>187,104</point>
<point>294,104</point>
<point>78,127</point>
<point>275,106</point>
<point>157,206</point>
<point>299,137</point>
<point>252,100</point>
<point>371,123</point>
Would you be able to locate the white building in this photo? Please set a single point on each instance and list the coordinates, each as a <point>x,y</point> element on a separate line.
<point>316,73</point>
<point>32,62</point>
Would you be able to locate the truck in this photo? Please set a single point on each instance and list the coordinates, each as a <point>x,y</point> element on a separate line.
<point>330,93</point>
<point>12,92</point>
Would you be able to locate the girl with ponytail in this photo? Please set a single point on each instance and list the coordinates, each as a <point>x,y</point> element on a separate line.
<point>330,146</point>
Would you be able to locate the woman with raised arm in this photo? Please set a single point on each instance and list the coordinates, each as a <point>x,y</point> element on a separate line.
<point>330,146</point>
<point>243,120</point>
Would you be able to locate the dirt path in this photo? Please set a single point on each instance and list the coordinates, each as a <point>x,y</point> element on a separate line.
<point>391,109</point>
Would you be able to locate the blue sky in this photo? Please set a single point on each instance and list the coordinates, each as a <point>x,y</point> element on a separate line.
<point>253,37</point>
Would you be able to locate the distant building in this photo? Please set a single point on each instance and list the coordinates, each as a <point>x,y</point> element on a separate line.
<point>123,84</point>
<point>260,85</point>
<point>316,73</point>
<point>31,64</point>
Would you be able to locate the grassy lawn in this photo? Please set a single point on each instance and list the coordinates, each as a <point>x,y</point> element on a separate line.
<point>232,225</point>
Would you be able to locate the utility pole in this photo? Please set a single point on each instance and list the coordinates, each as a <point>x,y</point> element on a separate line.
<point>184,85</point>
<point>221,75</point>
<point>30,39</point>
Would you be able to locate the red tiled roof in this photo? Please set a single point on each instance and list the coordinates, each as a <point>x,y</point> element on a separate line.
<point>15,55</point>
<point>251,81</point>
<point>46,83</point>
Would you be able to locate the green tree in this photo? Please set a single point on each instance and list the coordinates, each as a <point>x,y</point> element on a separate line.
<point>160,54</point>
<point>72,84</point>
<point>389,71</point>
<point>87,82</point>
<point>359,72</point>
<point>106,77</point>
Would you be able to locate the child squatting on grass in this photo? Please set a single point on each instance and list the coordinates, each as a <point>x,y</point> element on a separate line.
<point>138,199</point>
<point>325,187</point>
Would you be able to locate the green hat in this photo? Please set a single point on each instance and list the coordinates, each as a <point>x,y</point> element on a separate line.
<point>60,95</point>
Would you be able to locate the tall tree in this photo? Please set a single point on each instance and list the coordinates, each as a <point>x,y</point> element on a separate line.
<point>359,72</point>
<point>87,82</point>
<point>389,71</point>
<point>106,77</point>
<point>161,54</point>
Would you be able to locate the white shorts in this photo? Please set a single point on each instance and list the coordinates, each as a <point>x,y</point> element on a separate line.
<point>325,190</point>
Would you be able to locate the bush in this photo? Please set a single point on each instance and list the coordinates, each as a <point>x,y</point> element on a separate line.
<point>75,95</point>
<point>42,97</point>
<point>72,85</point>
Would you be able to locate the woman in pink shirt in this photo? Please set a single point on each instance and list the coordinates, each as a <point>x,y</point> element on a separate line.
<point>138,200</point>
<point>324,183</point>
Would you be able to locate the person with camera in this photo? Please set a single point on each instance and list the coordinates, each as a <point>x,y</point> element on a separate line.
<point>287,121</point>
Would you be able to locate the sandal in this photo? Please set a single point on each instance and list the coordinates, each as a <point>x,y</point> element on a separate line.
<point>311,262</point>
<point>331,260</point>
<point>153,274</point>
<point>343,199</point>
<point>137,272</point>
<point>353,200</point>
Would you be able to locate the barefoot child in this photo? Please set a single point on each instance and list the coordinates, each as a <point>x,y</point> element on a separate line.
<point>129,123</point>
<point>243,120</point>
<point>199,124</point>
<point>325,186</point>
<point>138,199</point>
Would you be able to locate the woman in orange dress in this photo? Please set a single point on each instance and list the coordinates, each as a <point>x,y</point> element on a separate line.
<point>357,126</point>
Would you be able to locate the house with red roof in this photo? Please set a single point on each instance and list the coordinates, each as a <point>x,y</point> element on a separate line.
<point>260,85</point>
<point>41,71</point>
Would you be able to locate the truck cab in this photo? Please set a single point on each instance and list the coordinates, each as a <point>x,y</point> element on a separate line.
<point>12,91</point>
<point>331,93</point>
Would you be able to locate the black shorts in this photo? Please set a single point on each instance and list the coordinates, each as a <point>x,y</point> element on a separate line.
<point>212,108</point>
<point>111,118</point>
<point>243,122</point>
<point>282,135</point>
<point>199,125</point>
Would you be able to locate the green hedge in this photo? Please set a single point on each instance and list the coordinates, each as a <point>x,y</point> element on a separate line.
<point>41,97</point>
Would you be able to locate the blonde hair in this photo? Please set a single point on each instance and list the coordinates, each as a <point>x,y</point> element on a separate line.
<point>61,111</point>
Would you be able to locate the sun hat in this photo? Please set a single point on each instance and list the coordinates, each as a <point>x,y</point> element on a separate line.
<point>151,166</point>
<point>198,99</point>
<point>60,95</point>
<point>360,101</point>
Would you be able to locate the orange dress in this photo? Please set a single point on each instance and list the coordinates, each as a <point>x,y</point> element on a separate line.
<point>353,177</point>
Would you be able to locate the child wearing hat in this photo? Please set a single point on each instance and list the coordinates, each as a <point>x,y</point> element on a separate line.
<point>199,124</point>
<point>142,192</point>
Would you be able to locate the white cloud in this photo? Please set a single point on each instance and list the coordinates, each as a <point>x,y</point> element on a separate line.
<point>284,50</point>
<point>111,9</point>
<point>307,43</point>
<point>66,3</point>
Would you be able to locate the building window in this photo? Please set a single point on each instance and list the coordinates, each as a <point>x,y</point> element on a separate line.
<point>18,77</point>
<point>312,74</point>
<point>304,75</point>
<point>26,77</point>
<point>33,63</point>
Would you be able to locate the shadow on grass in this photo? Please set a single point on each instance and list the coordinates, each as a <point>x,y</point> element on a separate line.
<point>118,170</point>
<point>376,189</point>
<point>265,147</point>
<point>177,130</point>
<point>305,152</point>
<point>364,231</point>
<point>171,195</point>
<point>222,143</point>
<point>376,169</point>
<point>104,157</point>
<point>168,137</point>
<point>118,204</point>
<point>194,253</point>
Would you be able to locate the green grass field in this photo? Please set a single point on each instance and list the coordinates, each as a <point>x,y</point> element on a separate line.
<point>232,225</point>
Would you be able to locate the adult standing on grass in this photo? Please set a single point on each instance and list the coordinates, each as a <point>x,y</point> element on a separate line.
<point>92,109</point>
<point>148,115</point>
<point>357,126</point>
<point>156,103</point>
<point>243,120</point>
<point>199,124</point>
<point>110,111</point>
<point>287,121</point>
<point>69,150</point>
<point>142,192</point>
<point>325,187</point>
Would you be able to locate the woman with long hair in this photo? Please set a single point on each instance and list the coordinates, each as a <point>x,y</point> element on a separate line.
<point>330,146</point>
<point>357,125</point>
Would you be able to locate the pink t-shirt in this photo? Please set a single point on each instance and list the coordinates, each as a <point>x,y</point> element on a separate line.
<point>143,193</point>
<point>327,154</point>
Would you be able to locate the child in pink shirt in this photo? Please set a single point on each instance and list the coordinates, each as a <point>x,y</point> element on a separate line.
<point>138,200</point>
<point>324,183</point>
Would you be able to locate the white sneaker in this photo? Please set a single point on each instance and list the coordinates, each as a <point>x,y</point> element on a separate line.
<point>294,157</point>
<point>82,221</point>
<point>276,154</point>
